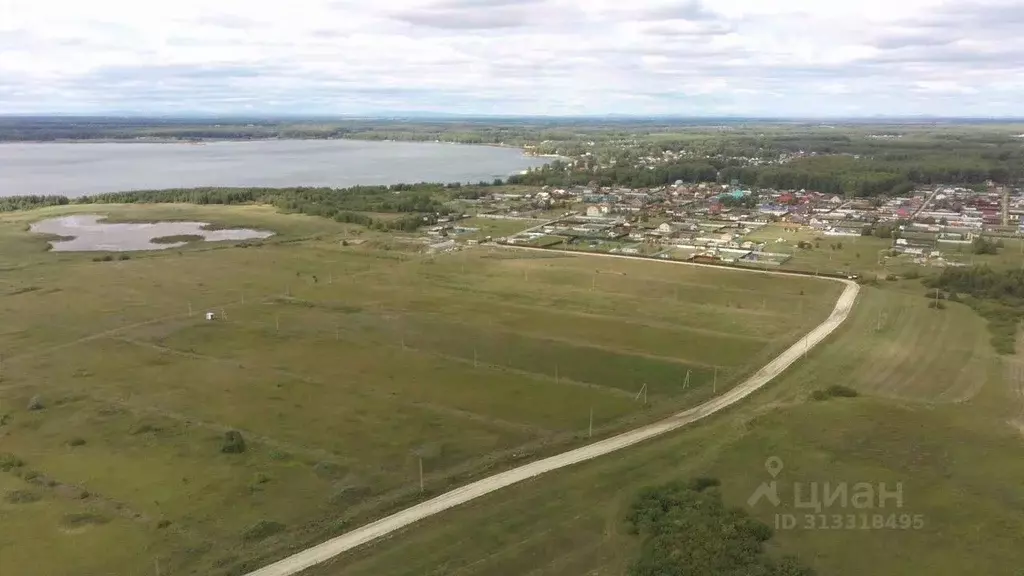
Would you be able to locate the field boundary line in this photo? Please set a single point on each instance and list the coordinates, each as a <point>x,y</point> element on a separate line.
<point>325,551</point>
<point>425,406</point>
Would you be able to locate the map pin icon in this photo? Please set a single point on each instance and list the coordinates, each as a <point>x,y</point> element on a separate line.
<point>773,465</point>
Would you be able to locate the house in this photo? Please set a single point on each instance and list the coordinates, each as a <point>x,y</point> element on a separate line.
<point>446,246</point>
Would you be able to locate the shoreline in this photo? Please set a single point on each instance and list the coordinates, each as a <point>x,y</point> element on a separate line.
<point>204,141</point>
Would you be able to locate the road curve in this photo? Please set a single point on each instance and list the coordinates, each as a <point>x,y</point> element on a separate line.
<point>335,546</point>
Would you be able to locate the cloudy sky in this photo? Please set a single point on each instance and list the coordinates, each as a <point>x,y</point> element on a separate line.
<point>556,57</point>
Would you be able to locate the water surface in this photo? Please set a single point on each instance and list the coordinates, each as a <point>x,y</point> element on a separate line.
<point>81,169</point>
<point>91,234</point>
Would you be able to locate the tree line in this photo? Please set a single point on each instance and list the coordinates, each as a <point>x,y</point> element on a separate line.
<point>419,204</point>
<point>997,295</point>
<point>842,175</point>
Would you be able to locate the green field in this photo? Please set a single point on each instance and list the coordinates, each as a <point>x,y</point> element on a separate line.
<point>343,366</point>
<point>940,413</point>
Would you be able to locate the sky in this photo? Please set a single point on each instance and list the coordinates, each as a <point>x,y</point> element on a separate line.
<point>785,58</point>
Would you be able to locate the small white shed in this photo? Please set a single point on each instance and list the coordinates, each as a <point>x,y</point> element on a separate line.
<point>209,316</point>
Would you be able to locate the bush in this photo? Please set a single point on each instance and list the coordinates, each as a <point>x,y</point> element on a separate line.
<point>687,529</point>
<point>36,403</point>
<point>76,442</point>
<point>262,530</point>
<point>84,519</point>
<point>840,391</point>
<point>937,305</point>
<point>124,257</point>
<point>912,275</point>
<point>21,497</point>
<point>233,443</point>
<point>834,391</point>
<point>9,462</point>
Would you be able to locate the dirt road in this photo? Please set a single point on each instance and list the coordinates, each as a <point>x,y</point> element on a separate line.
<point>323,552</point>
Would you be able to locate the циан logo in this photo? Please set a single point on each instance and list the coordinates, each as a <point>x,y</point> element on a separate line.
<point>855,499</point>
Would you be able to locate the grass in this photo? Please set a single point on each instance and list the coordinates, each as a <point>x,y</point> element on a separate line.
<point>342,367</point>
<point>177,239</point>
<point>495,228</point>
<point>931,393</point>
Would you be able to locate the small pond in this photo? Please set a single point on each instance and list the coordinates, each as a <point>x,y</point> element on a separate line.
<point>90,233</point>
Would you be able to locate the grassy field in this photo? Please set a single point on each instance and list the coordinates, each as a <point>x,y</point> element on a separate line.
<point>940,413</point>
<point>344,367</point>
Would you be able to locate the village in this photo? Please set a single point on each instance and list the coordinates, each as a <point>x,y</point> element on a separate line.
<point>935,226</point>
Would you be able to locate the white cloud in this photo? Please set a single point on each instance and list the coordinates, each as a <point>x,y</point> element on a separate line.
<point>687,57</point>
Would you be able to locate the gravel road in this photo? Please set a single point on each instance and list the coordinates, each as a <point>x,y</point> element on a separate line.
<point>360,536</point>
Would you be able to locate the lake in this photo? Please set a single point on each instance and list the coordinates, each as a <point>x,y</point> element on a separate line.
<point>81,169</point>
<point>89,233</point>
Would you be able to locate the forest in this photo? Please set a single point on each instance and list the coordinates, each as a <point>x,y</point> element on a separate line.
<point>852,158</point>
<point>846,175</point>
<point>420,204</point>
<point>997,295</point>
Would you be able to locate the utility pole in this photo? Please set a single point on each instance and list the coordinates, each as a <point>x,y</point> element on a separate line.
<point>590,429</point>
<point>224,313</point>
<point>714,383</point>
<point>277,322</point>
<point>686,381</point>
<point>189,309</point>
<point>421,474</point>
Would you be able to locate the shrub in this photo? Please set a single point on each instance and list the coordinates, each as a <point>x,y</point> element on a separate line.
<point>937,305</point>
<point>21,497</point>
<point>687,529</point>
<point>262,530</point>
<point>9,462</point>
<point>840,391</point>
<point>163,524</point>
<point>76,441</point>
<point>912,275</point>
<point>834,391</point>
<point>701,483</point>
<point>84,519</point>
<point>36,403</point>
<point>143,428</point>
<point>233,443</point>
<point>124,257</point>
